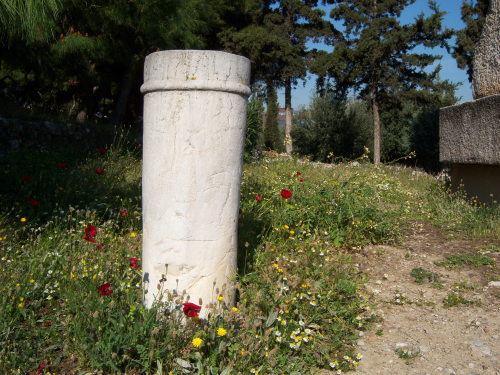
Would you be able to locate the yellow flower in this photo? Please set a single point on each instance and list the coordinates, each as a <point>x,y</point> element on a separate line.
<point>133,234</point>
<point>292,232</point>
<point>235,309</point>
<point>21,305</point>
<point>220,298</point>
<point>197,342</point>
<point>221,331</point>
<point>23,219</point>
<point>32,281</point>
<point>286,227</point>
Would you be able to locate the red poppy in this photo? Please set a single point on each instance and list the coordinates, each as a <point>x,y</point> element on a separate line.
<point>91,231</point>
<point>123,212</point>
<point>99,245</point>
<point>89,238</point>
<point>298,173</point>
<point>104,289</point>
<point>62,165</point>
<point>26,178</point>
<point>40,368</point>
<point>33,202</point>
<point>258,198</point>
<point>190,309</point>
<point>133,263</point>
<point>286,194</point>
<point>301,180</point>
<point>101,150</point>
<point>99,171</point>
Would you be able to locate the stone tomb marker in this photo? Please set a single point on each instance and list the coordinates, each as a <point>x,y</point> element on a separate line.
<point>194,128</point>
<point>469,133</point>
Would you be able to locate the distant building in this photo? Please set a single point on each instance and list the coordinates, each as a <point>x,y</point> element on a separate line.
<point>281,116</point>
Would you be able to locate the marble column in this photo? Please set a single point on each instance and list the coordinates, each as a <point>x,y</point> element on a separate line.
<point>194,129</point>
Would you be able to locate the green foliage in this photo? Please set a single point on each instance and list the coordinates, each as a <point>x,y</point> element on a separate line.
<point>421,275</point>
<point>332,127</point>
<point>458,260</point>
<point>473,15</point>
<point>456,299</point>
<point>254,126</point>
<point>375,55</point>
<point>272,139</point>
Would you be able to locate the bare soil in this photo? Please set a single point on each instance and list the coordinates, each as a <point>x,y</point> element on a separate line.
<point>418,334</point>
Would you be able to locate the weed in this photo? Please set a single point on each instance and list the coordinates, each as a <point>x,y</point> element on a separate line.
<point>456,299</point>
<point>421,275</point>
<point>407,354</point>
<point>458,260</point>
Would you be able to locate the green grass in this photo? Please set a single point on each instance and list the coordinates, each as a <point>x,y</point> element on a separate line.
<point>421,275</point>
<point>300,303</point>
<point>459,260</point>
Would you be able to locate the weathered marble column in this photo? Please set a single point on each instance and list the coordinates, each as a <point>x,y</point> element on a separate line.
<point>194,127</point>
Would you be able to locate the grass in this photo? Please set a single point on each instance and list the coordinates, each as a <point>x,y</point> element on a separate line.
<point>301,302</point>
<point>459,260</point>
<point>421,275</point>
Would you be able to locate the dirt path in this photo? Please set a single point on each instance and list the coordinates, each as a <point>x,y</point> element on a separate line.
<point>462,339</point>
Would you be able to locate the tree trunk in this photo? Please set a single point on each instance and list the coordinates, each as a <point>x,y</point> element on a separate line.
<point>288,116</point>
<point>120,109</point>
<point>376,127</point>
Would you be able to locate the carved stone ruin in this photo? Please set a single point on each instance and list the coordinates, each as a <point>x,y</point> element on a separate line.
<point>194,128</point>
<point>470,132</point>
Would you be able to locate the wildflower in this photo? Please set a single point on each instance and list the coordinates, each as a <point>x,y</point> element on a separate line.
<point>33,202</point>
<point>286,194</point>
<point>101,150</point>
<point>190,309</point>
<point>133,263</point>
<point>90,233</point>
<point>104,289</point>
<point>258,198</point>
<point>235,309</point>
<point>197,342</point>
<point>99,246</point>
<point>62,165</point>
<point>298,173</point>
<point>123,212</point>
<point>99,171</point>
<point>221,331</point>
<point>220,298</point>
<point>133,234</point>
<point>23,220</point>
<point>26,178</point>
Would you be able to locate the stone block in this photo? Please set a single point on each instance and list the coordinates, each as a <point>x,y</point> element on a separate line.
<point>469,133</point>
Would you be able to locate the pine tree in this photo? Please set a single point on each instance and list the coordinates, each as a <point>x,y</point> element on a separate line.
<point>474,15</point>
<point>275,42</point>
<point>375,54</point>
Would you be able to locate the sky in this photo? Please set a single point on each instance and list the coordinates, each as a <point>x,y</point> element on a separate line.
<point>301,95</point>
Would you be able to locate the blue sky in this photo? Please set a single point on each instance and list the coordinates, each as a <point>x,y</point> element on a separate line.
<point>302,95</point>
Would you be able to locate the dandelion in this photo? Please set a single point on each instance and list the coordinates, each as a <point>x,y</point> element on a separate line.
<point>235,309</point>
<point>220,298</point>
<point>197,342</point>
<point>133,234</point>
<point>23,220</point>
<point>221,332</point>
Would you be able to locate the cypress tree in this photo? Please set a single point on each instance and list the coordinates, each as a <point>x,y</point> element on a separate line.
<point>271,131</point>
